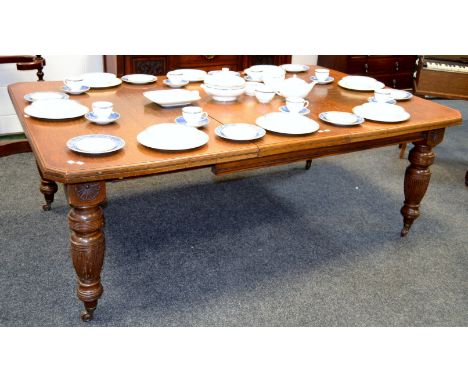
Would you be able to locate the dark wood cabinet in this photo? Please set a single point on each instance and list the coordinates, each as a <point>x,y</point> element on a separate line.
<point>160,65</point>
<point>394,71</point>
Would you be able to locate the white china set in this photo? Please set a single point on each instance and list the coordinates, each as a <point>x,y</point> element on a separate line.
<point>261,81</point>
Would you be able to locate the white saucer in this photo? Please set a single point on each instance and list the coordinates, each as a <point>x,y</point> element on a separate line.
<point>175,86</point>
<point>400,95</point>
<point>95,144</point>
<point>329,80</point>
<point>295,68</point>
<point>285,109</point>
<point>181,121</point>
<point>341,118</point>
<point>41,96</point>
<point>93,118</point>
<point>390,101</point>
<point>139,79</point>
<point>240,131</point>
<point>83,89</point>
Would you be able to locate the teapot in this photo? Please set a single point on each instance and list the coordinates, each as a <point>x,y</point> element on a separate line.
<point>294,87</point>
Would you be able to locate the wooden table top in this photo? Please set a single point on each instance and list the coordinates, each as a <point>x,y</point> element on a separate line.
<point>48,138</point>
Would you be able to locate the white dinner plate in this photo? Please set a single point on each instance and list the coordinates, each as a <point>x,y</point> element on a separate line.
<point>101,80</point>
<point>287,123</point>
<point>381,112</point>
<point>400,95</point>
<point>360,83</point>
<point>56,109</point>
<point>240,131</point>
<point>41,96</point>
<point>172,136</point>
<point>173,97</point>
<point>341,118</point>
<point>139,79</point>
<point>295,68</point>
<point>95,144</point>
<point>192,75</point>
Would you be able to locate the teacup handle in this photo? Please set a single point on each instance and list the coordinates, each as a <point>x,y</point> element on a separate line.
<point>306,103</point>
<point>204,115</point>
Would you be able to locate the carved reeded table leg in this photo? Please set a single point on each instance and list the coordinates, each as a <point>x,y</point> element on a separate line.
<point>48,188</point>
<point>417,176</point>
<point>86,221</point>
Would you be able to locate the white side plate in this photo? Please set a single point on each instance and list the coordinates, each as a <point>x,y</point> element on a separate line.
<point>240,131</point>
<point>139,79</point>
<point>192,75</point>
<point>341,118</point>
<point>360,83</point>
<point>43,96</point>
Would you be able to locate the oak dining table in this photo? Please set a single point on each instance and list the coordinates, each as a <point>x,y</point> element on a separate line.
<point>85,176</point>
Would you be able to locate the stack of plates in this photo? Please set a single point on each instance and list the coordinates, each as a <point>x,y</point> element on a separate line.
<point>287,123</point>
<point>192,75</point>
<point>101,80</point>
<point>240,131</point>
<point>95,144</point>
<point>173,98</point>
<point>381,112</point>
<point>295,68</point>
<point>361,83</point>
<point>41,96</point>
<point>172,136</point>
<point>56,109</point>
<point>341,118</point>
<point>139,79</point>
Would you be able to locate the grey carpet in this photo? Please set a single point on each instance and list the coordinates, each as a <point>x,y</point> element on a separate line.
<point>275,247</point>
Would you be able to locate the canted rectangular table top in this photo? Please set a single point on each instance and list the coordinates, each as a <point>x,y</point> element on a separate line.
<point>48,138</point>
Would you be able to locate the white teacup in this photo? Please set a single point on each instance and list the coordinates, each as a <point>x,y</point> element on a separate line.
<point>102,109</point>
<point>264,94</point>
<point>193,114</point>
<point>175,77</point>
<point>255,74</point>
<point>296,104</point>
<point>322,74</point>
<point>74,83</point>
<point>383,95</point>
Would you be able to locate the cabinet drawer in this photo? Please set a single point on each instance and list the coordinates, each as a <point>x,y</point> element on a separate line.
<point>205,61</point>
<point>155,65</point>
<point>391,64</point>
<point>396,80</point>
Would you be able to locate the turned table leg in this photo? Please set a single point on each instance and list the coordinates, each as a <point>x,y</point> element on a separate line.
<point>308,164</point>
<point>48,188</point>
<point>86,220</point>
<point>417,176</point>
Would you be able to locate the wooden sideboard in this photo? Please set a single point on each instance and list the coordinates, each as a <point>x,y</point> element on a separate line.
<point>394,71</point>
<point>160,65</point>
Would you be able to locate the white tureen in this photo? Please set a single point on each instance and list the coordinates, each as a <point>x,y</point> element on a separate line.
<point>224,86</point>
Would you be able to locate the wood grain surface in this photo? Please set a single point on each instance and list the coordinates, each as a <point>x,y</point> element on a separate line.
<point>48,138</point>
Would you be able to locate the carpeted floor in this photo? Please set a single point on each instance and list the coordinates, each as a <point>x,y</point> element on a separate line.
<point>275,247</point>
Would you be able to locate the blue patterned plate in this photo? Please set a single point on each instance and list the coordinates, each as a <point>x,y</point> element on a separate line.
<point>83,89</point>
<point>341,118</point>
<point>94,118</point>
<point>390,101</point>
<point>329,80</point>
<point>95,144</point>
<point>285,109</point>
<point>181,121</point>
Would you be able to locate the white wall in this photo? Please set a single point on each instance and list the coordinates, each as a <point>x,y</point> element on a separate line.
<point>56,69</point>
<point>312,60</point>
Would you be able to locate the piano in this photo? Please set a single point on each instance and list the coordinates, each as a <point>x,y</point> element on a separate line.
<point>442,76</point>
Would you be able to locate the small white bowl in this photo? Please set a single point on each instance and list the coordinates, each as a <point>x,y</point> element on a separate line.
<point>264,94</point>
